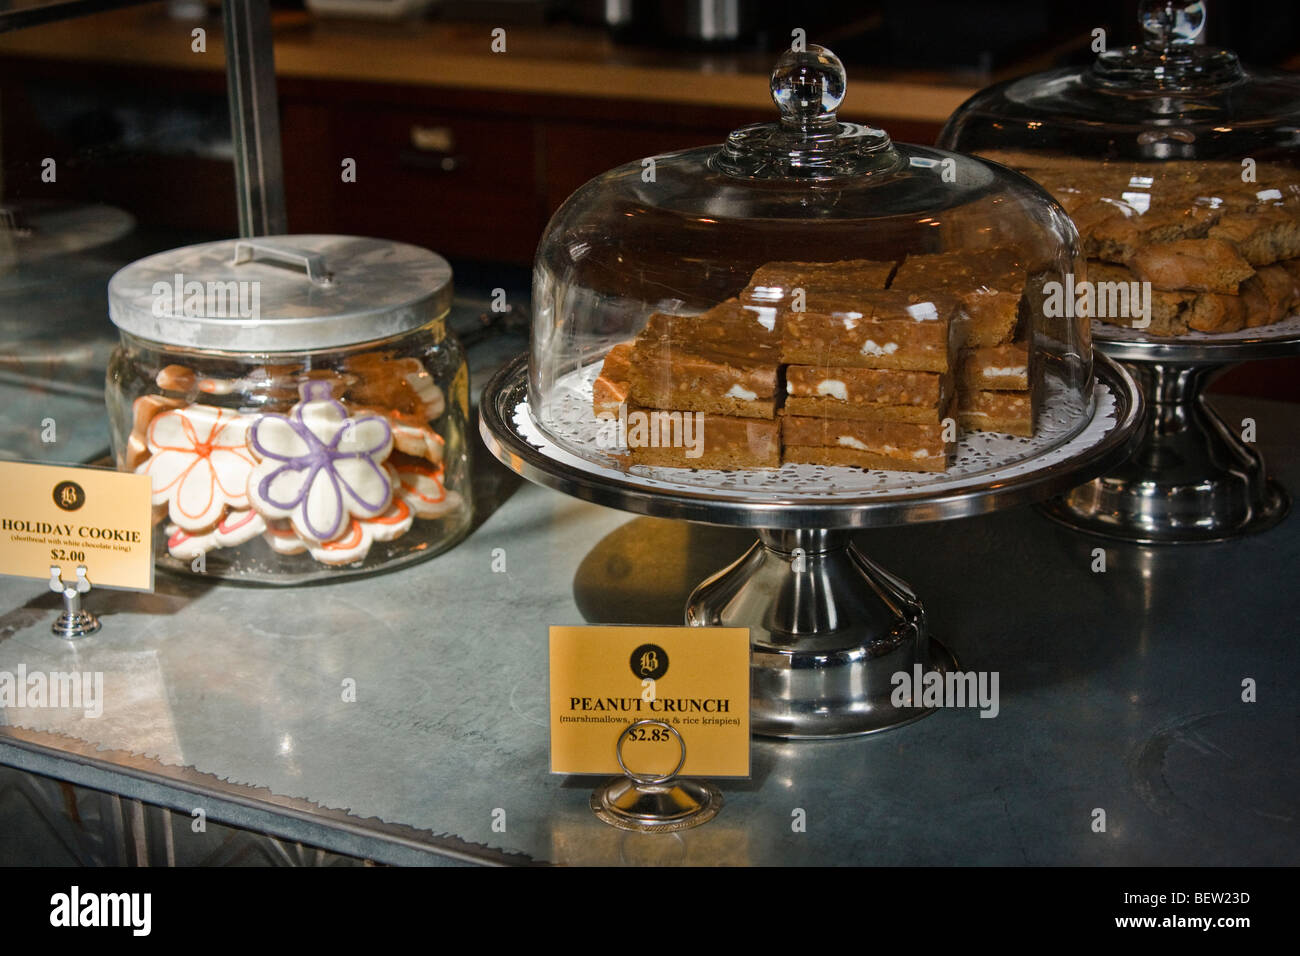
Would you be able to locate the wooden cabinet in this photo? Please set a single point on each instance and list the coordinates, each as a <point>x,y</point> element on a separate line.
<point>478,178</point>
<point>472,174</point>
<point>466,186</point>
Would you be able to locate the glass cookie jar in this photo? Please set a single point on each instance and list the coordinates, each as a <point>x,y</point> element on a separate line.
<point>298,403</point>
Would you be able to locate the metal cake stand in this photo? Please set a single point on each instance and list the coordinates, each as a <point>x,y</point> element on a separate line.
<point>1192,478</point>
<point>829,626</point>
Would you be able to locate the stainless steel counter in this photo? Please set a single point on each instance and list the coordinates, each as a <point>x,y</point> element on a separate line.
<point>1119,691</point>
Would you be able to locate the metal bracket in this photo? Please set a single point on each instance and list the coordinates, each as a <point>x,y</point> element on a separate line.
<point>254,117</point>
<point>654,803</point>
<point>73,622</point>
<point>312,263</point>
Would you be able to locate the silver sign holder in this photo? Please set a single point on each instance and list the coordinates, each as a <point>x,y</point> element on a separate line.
<point>74,622</point>
<point>650,803</point>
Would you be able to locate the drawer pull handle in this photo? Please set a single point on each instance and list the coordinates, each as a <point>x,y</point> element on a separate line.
<point>436,162</point>
<point>433,139</point>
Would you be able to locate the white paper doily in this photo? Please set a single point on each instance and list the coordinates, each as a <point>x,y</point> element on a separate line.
<point>1286,329</point>
<point>1063,428</point>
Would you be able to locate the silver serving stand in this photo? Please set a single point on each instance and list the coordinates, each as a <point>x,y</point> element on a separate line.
<point>1192,478</point>
<point>829,627</point>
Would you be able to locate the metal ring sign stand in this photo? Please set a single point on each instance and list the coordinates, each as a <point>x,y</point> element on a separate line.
<point>654,803</point>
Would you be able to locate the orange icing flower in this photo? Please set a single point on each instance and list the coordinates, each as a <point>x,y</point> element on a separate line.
<point>199,463</point>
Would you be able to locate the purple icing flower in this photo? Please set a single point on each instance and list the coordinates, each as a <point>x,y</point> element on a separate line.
<point>317,466</point>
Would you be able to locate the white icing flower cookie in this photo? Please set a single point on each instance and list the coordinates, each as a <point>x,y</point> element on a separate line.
<point>393,523</point>
<point>234,528</point>
<point>282,538</point>
<point>186,546</point>
<point>199,463</point>
<point>411,435</point>
<point>420,485</point>
<point>352,546</point>
<point>143,411</point>
<point>319,468</point>
<point>238,527</point>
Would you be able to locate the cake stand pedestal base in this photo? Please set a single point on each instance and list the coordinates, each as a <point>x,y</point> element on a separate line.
<point>830,629</point>
<point>1192,478</point>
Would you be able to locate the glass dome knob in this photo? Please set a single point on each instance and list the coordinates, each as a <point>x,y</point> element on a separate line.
<point>808,87</point>
<point>1172,23</point>
<point>1172,55</point>
<point>809,142</point>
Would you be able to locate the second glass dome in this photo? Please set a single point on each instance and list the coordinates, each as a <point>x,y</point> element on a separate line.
<point>1179,166</point>
<point>807,294</point>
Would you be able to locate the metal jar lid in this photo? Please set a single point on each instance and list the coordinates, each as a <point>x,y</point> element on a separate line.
<point>280,293</point>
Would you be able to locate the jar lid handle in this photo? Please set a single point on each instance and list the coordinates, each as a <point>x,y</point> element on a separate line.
<point>313,263</point>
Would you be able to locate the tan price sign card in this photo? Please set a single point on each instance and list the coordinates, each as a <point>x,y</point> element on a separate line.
<point>606,678</point>
<point>63,516</point>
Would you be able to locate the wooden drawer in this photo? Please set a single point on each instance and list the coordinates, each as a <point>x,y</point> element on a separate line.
<point>460,185</point>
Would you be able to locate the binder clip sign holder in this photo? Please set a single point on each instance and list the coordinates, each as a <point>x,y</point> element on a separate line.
<point>76,528</point>
<point>658,706</point>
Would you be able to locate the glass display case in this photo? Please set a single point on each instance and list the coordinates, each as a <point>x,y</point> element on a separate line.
<point>297,402</point>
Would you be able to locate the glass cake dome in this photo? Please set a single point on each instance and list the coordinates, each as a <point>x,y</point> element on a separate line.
<point>1177,164</point>
<point>809,293</point>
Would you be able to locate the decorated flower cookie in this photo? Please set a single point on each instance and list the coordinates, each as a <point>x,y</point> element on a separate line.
<point>234,528</point>
<point>187,545</point>
<point>393,523</point>
<point>318,467</point>
<point>351,546</point>
<point>199,463</point>
<point>420,485</point>
<point>402,384</point>
<point>411,434</point>
<point>418,440</point>
<point>176,378</point>
<point>143,411</point>
<point>237,527</point>
<point>282,538</point>
<point>277,383</point>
